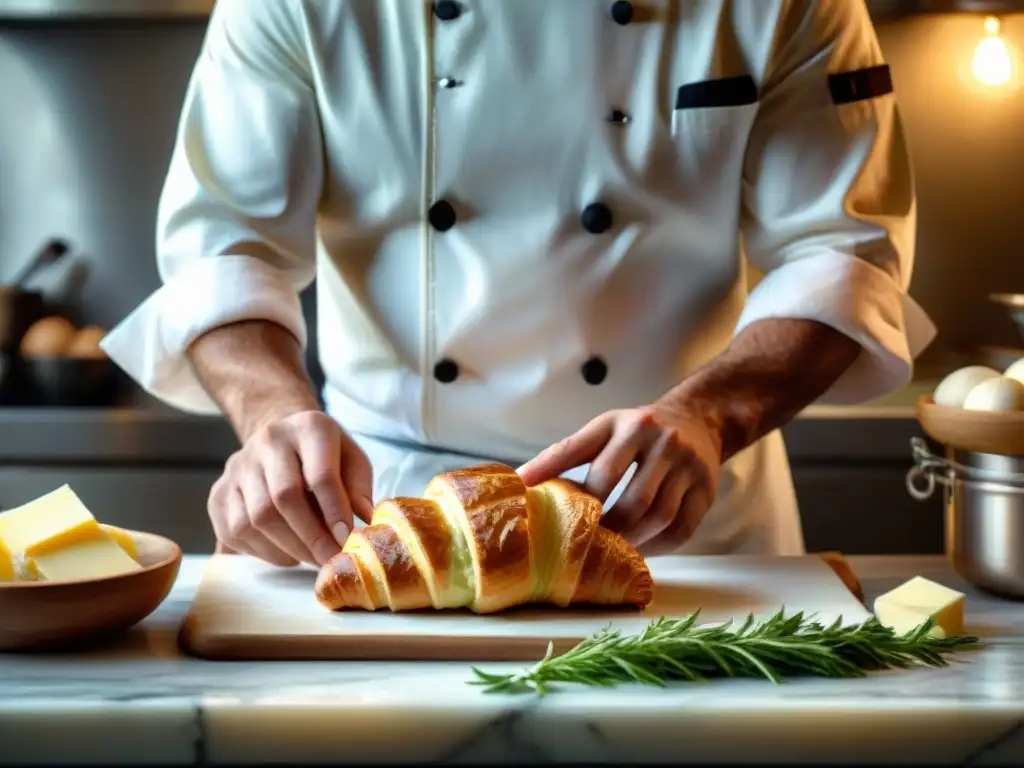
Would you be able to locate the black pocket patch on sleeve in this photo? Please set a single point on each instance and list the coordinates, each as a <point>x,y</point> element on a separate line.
<point>723,92</point>
<point>860,84</point>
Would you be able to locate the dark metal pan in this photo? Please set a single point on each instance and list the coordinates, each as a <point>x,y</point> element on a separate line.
<point>70,382</point>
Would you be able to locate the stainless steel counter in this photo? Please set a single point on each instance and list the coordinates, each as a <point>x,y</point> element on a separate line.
<point>63,10</point>
<point>133,435</point>
<point>150,433</point>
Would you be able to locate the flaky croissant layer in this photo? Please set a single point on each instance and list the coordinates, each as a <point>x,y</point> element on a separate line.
<point>480,539</point>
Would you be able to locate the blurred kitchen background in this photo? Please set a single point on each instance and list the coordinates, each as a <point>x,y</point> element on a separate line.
<point>89,97</point>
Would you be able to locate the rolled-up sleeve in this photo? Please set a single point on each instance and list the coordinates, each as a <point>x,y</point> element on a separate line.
<point>236,226</point>
<point>829,206</point>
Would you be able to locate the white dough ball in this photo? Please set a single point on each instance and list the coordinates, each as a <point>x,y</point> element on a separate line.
<point>1016,371</point>
<point>953,390</point>
<point>1000,394</point>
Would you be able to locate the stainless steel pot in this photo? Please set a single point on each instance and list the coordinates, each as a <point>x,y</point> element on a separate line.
<point>984,500</point>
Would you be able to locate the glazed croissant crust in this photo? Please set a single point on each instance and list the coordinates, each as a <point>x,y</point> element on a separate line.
<point>479,538</point>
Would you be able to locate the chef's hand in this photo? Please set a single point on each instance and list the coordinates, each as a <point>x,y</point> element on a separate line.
<point>290,493</point>
<point>678,458</point>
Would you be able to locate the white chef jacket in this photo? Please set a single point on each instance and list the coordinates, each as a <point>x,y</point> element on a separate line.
<point>523,214</point>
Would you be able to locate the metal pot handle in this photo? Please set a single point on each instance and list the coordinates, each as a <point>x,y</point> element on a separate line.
<point>928,470</point>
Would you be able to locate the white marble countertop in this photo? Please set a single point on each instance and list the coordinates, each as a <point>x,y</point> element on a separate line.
<point>141,701</point>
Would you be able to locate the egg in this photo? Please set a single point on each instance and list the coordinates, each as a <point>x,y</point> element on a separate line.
<point>86,343</point>
<point>1000,394</point>
<point>1016,371</point>
<point>953,390</point>
<point>48,337</point>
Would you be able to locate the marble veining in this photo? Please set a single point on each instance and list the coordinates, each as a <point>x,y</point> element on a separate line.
<point>140,701</point>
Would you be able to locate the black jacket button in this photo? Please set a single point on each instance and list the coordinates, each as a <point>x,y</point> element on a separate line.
<point>446,370</point>
<point>596,218</point>
<point>441,216</point>
<point>622,12</point>
<point>447,10</point>
<point>594,371</point>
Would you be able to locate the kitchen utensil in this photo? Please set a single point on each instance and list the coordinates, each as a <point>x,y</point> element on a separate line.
<point>52,252</point>
<point>1014,303</point>
<point>72,382</point>
<point>984,500</point>
<point>247,609</point>
<point>48,615</point>
<point>975,431</point>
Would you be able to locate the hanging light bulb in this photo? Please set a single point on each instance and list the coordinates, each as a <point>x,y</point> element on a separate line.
<point>992,64</point>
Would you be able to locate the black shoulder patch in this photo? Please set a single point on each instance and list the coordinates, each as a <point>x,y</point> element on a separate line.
<point>723,92</point>
<point>860,84</point>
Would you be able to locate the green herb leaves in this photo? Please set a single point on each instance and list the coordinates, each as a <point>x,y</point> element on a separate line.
<point>782,646</point>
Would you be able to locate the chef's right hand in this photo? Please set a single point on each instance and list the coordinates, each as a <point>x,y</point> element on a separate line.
<point>289,494</point>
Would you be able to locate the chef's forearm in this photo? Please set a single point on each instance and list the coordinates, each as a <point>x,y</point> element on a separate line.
<point>255,372</point>
<point>769,373</point>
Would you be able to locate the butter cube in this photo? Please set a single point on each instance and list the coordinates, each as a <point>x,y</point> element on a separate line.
<point>7,572</point>
<point>122,538</point>
<point>911,604</point>
<point>94,558</point>
<point>56,538</point>
<point>48,524</point>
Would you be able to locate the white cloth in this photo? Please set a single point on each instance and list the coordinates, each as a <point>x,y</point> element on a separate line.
<point>315,137</point>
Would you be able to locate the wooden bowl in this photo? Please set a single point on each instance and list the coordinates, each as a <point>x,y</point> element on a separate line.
<point>978,431</point>
<point>55,615</point>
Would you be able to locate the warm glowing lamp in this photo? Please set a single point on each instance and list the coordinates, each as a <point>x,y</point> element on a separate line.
<point>992,64</point>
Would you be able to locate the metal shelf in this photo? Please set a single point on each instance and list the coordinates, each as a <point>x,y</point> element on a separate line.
<point>895,8</point>
<point>59,10</point>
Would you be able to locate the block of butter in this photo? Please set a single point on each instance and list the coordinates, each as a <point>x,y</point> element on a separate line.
<point>15,566</point>
<point>56,538</point>
<point>122,538</point>
<point>86,559</point>
<point>908,606</point>
<point>7,572</point>
<point>48,524</point>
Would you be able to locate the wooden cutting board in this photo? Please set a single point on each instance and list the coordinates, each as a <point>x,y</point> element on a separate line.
<point>246,609</point>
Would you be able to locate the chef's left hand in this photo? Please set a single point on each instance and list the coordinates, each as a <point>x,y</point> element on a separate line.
<point>678,457</point>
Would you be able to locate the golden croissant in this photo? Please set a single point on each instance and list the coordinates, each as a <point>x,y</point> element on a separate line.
<point>481,539</point>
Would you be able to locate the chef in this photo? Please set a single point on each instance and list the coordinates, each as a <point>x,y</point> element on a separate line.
<point>531,226</point>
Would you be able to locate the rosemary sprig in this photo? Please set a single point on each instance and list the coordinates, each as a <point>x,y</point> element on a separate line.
<point>782,646</point>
